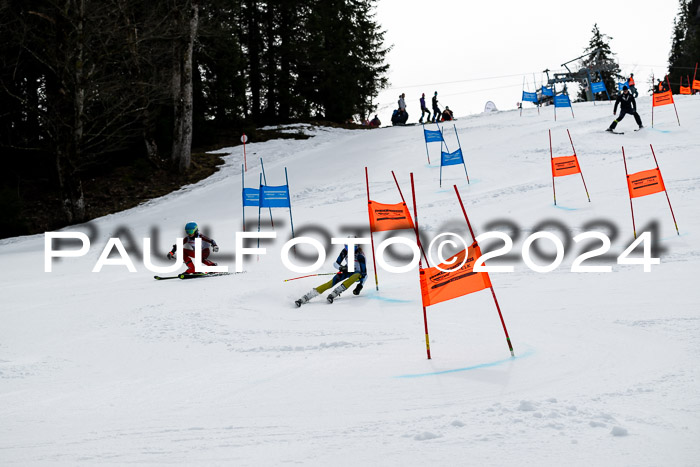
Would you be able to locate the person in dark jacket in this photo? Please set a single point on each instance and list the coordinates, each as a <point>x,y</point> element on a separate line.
<point>343,276</point>
<point>436,109</point>
<point>375,122</point>
<point>627,106</point>
<point>447,114</point>
<point>423,109</point>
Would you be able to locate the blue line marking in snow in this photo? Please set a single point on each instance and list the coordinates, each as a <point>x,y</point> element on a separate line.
<point>387,299</point>
<point>526,353</point>
<point>565,208</point>
<point>683,234</point>
<point>661,131</point>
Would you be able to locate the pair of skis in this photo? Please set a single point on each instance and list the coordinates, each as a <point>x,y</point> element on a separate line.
<point>620,132</point>
<point>195,275</point>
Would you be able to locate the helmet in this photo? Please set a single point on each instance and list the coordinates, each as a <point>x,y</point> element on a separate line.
<point>436,93</point>
<point>191,228</point>
<point>625,88</point>
<point>347,247</point>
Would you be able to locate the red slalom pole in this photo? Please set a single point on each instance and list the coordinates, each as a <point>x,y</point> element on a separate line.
<point>674,102</point>
<point>551,158</point>
<point>420,268</point>
<point>312,275</point>
<point>665,191</point>
<point>244,139</point>
<point>634,228</point>
<point>495,300</point>
<point>579,165</point>
<point>414,215</point>
<point>371,237</point>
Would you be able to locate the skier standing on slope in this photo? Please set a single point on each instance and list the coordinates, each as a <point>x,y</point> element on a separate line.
<point>632,85</point>
<point>423,109</point>
<point>192,231</point>
<point>347,278</point>
<point>627,106</point>
<point>436,109</point>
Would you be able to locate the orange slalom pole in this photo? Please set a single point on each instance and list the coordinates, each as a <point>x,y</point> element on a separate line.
<point>369,205</point>
<point>551,160</point>
<point>495,300</point>
<point>579,165</point>
<point>634,228</point>
<point>674,101</point>
<point>665,191</point>
<point>420,267</point>
<point>414,215</point>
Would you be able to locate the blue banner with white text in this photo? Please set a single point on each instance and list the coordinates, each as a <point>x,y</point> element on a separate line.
<point>598,87</point>
<point>452,158</point>
<point>547,91</point>
<point>251,197</point>
<point>562,101</point>
<point>530,97</point>
<point>432,136</point>
<point>274,196</point>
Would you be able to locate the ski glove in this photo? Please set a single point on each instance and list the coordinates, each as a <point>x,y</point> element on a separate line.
<point>171,255</point>
<point>343,269</point>
<point>215,248</point>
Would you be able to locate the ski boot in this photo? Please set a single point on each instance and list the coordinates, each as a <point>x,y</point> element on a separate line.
<point>357,290</point>
<point>336,293</point>
<point>306,298</point>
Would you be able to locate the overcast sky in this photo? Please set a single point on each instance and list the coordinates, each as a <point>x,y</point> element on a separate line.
<point>463,41</point>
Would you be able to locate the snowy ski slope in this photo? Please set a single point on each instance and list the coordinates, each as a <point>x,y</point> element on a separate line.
<point>114,367</point>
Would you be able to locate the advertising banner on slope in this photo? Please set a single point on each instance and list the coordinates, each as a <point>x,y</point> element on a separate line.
<point>567,165</point>
<point>662,98</point>
<point>646,182</point>
<point>383,217</point>
<point>439,286</point>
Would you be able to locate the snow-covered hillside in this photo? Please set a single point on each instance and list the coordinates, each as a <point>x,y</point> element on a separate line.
<point>118,368</point>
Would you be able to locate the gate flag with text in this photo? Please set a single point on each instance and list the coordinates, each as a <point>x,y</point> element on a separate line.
<point>385,217</point>
<point>275,197</point>
<point>644,183</point>
<point>663,98</point>
<point>433,136</point>
<point>439,286</point>
<point>562,100</point>
<point>453,278</point>
<point>685,89</point>
<point>453,158</point>
<point>565,165</point>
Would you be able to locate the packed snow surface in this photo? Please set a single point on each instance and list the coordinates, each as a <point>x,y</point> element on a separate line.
<point>115,367</point>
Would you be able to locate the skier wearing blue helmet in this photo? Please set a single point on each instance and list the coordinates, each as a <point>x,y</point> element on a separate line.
<point>208,245</point>
<point>347,278</point>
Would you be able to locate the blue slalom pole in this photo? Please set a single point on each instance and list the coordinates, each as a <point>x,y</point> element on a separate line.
<point>243,195</point>
<point>460,148</point>
<point>265,180</point>
<point>289,201</point>
<point>260,200</point>
<point>426,145</point>
<point>442,135</point>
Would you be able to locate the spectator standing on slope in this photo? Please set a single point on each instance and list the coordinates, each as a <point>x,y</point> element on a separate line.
<point>436,109</point>
<point>423,109</point>
<point>631,84</point>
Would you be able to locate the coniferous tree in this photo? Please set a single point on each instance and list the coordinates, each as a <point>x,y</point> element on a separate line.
<point>600,57</point>
<point>685,45</point>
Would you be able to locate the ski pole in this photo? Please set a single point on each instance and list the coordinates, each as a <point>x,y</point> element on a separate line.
<point>312,275</point>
